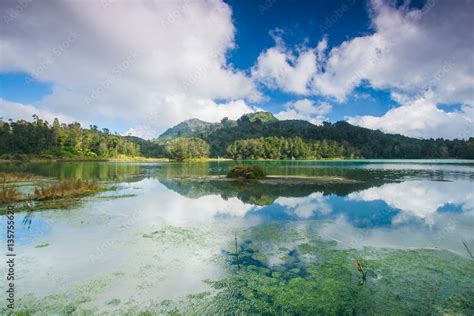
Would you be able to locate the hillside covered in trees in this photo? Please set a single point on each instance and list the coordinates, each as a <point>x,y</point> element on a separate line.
<point>288,148</point>
<point>41,139</point>
<point>363,142</point>
<point>253,136</point>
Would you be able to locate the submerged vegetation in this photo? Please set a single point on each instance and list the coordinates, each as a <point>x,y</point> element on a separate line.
<point>288,269</point>
<point>246,172</point>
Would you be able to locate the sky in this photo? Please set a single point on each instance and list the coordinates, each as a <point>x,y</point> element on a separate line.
<point>140,67</point>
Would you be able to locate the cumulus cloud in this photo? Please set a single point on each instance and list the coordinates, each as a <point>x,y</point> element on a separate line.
<point>106,59</point>
<point>168,111</point>
<point>305,207</point>
<point>422,118</point>
<point>279,67</point>
<point>152,64</point>
<point>19,111</point>
<point>305,109</point>
<point>418,54</point>
<point>411,51</point>
<point>421,199</point>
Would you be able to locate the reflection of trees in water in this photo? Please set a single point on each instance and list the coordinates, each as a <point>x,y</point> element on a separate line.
<point>256,192</point>
<point>87,170</point>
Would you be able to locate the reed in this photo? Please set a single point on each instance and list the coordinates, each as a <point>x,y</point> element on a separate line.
<point>237,253</point>
<point>9,194</point>
<point>66,189</point>
<point>360,269</point>
<point>17,176</point>
<point>467,249</point>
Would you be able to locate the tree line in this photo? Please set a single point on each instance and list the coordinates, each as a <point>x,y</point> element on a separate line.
<point>243,139</point>
<point>58,140</point>
<point>370,144</point>
<point>288,148</point>
<point>184,148</point>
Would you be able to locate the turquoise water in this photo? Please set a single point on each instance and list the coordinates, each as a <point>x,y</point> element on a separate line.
<point>175,238</point>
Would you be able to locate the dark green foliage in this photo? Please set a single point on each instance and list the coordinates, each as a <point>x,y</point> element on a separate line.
<point>189,128</point>
<point>247,172</point>
<point>370,144</point>
<point>148,148</point>
<point>43,140</point>
<point>258,117</point>
<point>288,148</point>
<point>273,139</point>
<point>181,149</point>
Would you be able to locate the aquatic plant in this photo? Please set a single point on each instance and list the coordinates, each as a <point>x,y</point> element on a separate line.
<point>17,176</point>
<point>361,270</point>
<point>246,172</point>
<point>9,194</point>
<point>237,252</point>
<point>65,189</point>
<point>315,278</point>
<point>467,249</point>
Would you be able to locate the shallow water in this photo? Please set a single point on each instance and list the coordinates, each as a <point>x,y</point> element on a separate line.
<point>166,242</point>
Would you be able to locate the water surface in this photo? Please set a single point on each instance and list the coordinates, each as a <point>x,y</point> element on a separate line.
<point>165,241</point>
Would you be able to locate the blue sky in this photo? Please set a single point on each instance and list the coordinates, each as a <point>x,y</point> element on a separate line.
<point>399,66</point>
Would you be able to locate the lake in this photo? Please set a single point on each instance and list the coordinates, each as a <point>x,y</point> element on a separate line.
<point>175,238</point>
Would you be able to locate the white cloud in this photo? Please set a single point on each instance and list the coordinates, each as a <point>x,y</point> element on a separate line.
<point>420,198</point>
<point>171,110</point>
<point>108,59</point>
<point>421,118</point>
<point>418,54</point>
<point>411,52</point>
<point>305,110</point>
<point>279,67</point>
<point>305,207</point>
<point>19,111</point>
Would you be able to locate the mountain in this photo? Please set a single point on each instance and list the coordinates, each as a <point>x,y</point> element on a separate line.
<point>188,128</point>
<point>369,143</point>
<point>262,117</point>
<point>196,127</point>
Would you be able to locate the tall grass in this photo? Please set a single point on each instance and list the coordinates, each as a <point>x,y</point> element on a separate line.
<point>17,176</point>
<point>65,189</point>
<point>9,194</point>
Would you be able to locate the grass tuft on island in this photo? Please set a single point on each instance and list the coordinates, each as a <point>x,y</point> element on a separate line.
<point>246,172</point>
<point>66,189</point>
<point>17,177</point>
<point>61,195</point>
<point>9,194</point>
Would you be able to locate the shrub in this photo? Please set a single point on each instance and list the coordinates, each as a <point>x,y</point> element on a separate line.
<point>247,172</point>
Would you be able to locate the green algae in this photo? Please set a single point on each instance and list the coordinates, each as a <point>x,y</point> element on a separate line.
<point>68,301</point>
<point>398,281</point>
<point>177,236</point>
<point>311,277</point>
<point>114,301</point>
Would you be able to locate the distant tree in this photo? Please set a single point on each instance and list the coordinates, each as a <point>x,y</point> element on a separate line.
<point>181,149</point>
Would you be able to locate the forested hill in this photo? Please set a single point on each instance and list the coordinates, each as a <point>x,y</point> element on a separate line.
<point>368,143</point>
<point>253,136</point>
<point>40,139</point>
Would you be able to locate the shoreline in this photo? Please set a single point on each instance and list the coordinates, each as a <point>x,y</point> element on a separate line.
<point>147,159</point>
